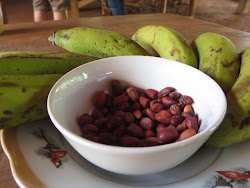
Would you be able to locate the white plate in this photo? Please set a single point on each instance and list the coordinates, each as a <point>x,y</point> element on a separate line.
<point>41,157</point>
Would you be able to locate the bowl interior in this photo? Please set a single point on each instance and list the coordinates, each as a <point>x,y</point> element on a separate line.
<point>73,94</point>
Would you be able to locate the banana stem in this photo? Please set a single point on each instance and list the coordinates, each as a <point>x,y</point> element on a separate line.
<point>52,38</point>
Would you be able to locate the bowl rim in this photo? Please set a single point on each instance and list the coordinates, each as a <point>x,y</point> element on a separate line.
<point>124,150</point>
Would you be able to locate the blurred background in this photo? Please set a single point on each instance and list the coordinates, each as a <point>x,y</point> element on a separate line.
<point>217,11</point>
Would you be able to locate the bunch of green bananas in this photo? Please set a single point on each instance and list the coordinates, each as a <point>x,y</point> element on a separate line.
<point>235,128</point>
<point>218,58</point>
<point>27,78</point>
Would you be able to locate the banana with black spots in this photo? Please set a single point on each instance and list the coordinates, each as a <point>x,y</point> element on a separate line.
<point>32,63</point>
<point>23,98</point>
<point>99,43</point>
<point>218,58</point>
<point>235,128</point>
<point>167,43</point>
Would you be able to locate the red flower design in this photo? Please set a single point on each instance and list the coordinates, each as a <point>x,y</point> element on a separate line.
<point>55,155</point>
<point>233,175</point>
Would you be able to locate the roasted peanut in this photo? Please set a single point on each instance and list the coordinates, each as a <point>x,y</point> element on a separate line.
<point>129,141</point>
<point>144,102</point>
<point>104,110</point>
<point>192,123</point>
<point>146,123</point>
<point>186,134</point>
<point>135,130</point>
<point>149,133</point>
<point>120,99</point>
<point>160,127</point>
<point>187,114</point>
<point>188,111</point>
<point>113,123</point>
<point>157,107</point>
<point>119,114</point>
<point>137,114</point>
<point>181,127</point>
<point>150,113</point>
<point>95,139</point>
<point>151,93</point>
<point>108,139</point>
<point>128,118</point>
<point>148,142</point>
<point>124,106</point>
<point>181,106</point>
<point>100,99</point>
<point>120,131</point>
<point>154,139</point>
<point>116,87</point>
<point>132,93</point>
<point>109,100</point>
<point>85,119</point>
<point>174,95</point>
<point>135,106</point>
<point>102,122</point>
<point>176,120</point>
<point>165,91</point>
<point>163,116</point>
<point>90,128</point>
<point>152,102</point>
<point>188,108</point>
<point>167,101</point>
<point>96,114</point>
<point>185,99</point>
<point>174,109</point>
<point>141,92</point>
<point>167,135</point>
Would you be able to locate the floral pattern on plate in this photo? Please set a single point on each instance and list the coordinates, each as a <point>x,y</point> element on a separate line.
<point>51,149</point>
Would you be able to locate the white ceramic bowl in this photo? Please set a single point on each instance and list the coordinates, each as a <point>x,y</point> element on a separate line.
<point>72,96</point>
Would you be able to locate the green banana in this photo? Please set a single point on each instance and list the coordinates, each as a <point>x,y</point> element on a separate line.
<point>95,42</point>
<point>218,58</point>
<point>28,63</point>
<point>235,128</point>
<point>23,98</point>
<point>167,43</point>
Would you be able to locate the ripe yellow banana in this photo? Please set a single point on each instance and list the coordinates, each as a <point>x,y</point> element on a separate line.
<point>166,42</point>
<point>29,63</point>
<point>95,42</point>
<point>235,127</point>
<point>218,58</point>
<point>23,98</point>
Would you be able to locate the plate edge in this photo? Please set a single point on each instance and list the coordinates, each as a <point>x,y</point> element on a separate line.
<point>19,166</point>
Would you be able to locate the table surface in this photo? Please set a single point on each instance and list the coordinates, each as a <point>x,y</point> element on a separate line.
<point>34,37</point>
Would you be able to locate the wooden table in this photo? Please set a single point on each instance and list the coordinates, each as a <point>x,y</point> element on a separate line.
<point>34,37</point>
